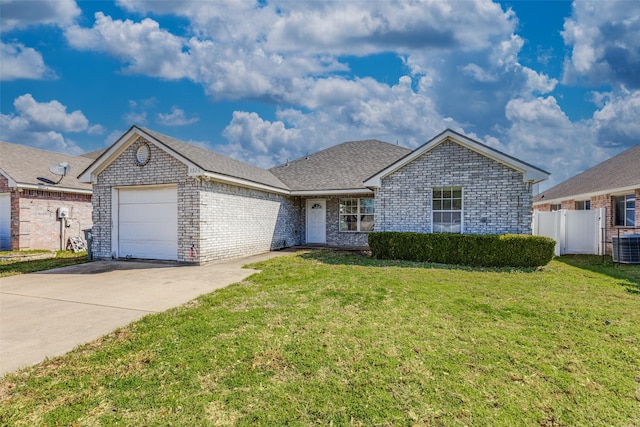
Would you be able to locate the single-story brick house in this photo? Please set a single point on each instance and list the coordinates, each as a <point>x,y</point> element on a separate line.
<point>30,208</point>
<point>157,197</point>
<point>613,184</point>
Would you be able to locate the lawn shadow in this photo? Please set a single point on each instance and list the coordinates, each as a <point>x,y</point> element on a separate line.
<point>364,258</point>
<point>628,274</point>
<point>96,267</point>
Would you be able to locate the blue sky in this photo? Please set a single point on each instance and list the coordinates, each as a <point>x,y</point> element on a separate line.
<point>555,83</point>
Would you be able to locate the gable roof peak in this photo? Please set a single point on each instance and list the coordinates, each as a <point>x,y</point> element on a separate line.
<point>199,160</point>
<point>530,173</point>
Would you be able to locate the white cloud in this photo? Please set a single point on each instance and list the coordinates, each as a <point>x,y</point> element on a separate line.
<point>136,117</point>
<point>543,112</point>
<point>21,62</point>
<point>53,114</point>
<point>113,136</point>
<point>476,72</point>
<point>604,43</point>
<point>397,113</point>
<point>505,53</point>
<point>265,51</point>
<point>538,82</point>
<point>337,28</point>
<point>463,64</point>
<point>96,130</point>
<point>143,47</point>
<point>259,141</point>
<point>541,133</point>
<point>617,121</point>
<point>15,14</point>
<point>42,125</point>
<point>176,117</point>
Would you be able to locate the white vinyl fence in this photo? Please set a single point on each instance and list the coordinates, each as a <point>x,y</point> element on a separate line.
<point>575,232</point>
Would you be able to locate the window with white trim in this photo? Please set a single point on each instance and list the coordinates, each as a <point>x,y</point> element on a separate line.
<point>556,207</point>
<point>447,209</point>
<point>356,214</point>
<point>624,210</point>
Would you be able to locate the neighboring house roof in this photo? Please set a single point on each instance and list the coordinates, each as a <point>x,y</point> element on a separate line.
<point>341,168</point>
<point>619,173</point>
<point>530,173</point>
<point>201,162</point>
<point>93,154</point>
<point>22,165</point>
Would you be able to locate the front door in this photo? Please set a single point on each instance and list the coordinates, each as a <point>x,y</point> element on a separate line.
<point>316,221</point>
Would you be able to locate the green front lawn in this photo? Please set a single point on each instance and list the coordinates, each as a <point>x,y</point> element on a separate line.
<point>62,259</point>
<point>338,339</point>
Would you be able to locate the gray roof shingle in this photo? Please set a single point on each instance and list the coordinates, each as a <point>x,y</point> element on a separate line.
<point>25,164</point>
<point>217,163</point>
<point>341,167</point>
<point>619,171</point>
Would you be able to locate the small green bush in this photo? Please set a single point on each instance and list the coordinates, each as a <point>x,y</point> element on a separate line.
<point>478,250</point>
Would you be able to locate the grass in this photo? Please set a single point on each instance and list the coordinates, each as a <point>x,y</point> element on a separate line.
<point>339,339</point>
<point>25,252</point>
<point>62,259</point>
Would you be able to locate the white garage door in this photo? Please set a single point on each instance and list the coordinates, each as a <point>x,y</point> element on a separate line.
<point>5,221</point>
<point>148,223</point>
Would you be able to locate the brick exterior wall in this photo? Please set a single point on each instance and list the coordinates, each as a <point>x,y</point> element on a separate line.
<point>236,221</point>
<point>161,169</point>
<point>34,221</point>
<point>334,236</point>
<point>495,198</point>
<point>215,220</point>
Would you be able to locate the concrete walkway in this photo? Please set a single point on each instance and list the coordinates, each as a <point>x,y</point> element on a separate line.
<point>49,313</point>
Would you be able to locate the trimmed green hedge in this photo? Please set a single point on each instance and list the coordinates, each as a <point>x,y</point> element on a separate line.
<point>478,250</point>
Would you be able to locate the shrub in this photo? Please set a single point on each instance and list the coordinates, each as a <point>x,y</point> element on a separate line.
<point>478,250</point>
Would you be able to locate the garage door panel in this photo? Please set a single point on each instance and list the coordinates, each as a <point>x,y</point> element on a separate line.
<point>147,232</point>
<point>148,250</point>
<point>148,223</point>
<point>137,213</point>
<point>152,195</point>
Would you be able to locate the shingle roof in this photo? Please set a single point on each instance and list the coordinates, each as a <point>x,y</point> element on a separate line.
<point>619,171</point>
<point>25,164</point>
<point>217,163</point>
<point>93,154</point>
<point>341,167</point>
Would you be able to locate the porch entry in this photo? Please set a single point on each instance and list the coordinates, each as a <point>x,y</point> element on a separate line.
<point>316,221</point>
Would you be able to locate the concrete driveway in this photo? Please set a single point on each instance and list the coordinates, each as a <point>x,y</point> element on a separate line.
<point>49,313</point>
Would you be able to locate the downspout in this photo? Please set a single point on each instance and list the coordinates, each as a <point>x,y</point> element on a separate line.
<point>62,232</point>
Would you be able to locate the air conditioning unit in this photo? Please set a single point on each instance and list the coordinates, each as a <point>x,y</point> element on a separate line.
<point>626,249</point>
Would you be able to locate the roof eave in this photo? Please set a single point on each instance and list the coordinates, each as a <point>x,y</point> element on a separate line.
<point>331,192</point>
<point>53,188</point>
<point>589,195</point>
<point>197,172</point>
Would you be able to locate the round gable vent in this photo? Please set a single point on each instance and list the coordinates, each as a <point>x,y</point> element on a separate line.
<point>143,154</point>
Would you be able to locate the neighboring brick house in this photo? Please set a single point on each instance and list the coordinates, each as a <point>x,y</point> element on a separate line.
<point>613,184</point>
<point>161,198</point>
<point>29,207</point>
